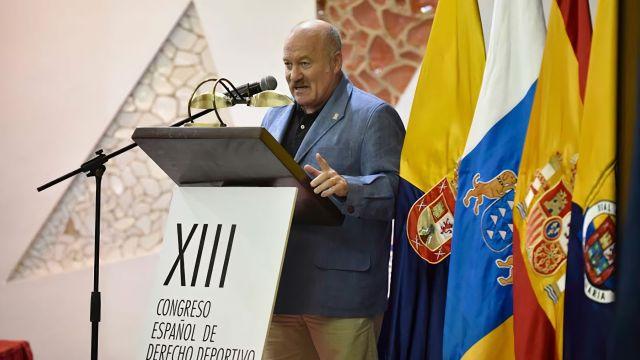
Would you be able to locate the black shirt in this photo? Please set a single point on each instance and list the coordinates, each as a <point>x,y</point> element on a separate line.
<point>297,129</point>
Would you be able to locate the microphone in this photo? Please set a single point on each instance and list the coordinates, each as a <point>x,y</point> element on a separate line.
<point>248,90</point>
<point>257,94</point>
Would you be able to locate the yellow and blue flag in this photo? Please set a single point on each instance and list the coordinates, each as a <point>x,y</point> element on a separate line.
<point>440,118</point>
<point>479,308</point>
<point>591,264</point>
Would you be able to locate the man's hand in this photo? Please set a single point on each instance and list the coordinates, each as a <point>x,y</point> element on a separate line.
<point>326,181</point>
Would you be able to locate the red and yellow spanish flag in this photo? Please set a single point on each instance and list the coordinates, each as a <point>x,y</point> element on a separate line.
<point>591,264</point>
<point>543,195</point>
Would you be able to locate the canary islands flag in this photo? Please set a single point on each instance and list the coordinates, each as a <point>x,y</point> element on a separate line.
<point>441,114</point>
<point>479,309</point>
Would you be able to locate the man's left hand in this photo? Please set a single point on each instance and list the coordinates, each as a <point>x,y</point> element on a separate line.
<point>326,181</point>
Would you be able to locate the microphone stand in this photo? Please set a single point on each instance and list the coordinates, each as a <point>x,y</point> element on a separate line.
<point>95,168</point>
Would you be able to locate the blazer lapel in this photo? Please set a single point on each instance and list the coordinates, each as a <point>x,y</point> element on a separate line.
<point>330,115</point>
<point>281,123</point>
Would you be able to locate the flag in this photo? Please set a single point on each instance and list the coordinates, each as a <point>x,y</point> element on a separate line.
<point>591,261</point>
<point>627,306</point>
<point>543,194</point>
<point>441,114</point>
<point>479,309</point>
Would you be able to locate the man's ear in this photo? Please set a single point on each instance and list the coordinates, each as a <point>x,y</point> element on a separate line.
<point>337,62</point>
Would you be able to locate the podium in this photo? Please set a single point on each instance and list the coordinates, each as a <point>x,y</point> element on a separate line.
<point>234,156</point>
<point>225,239</point>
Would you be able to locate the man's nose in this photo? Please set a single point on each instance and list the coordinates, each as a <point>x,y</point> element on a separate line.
<point>295,74</point>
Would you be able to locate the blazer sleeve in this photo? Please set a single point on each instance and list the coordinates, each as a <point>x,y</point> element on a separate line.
<point>372,195</point>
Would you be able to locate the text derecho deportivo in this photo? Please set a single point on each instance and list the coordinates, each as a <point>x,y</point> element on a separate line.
<point>178,328</point>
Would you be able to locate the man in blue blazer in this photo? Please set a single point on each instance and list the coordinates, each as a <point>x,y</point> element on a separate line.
<point>333,286</point>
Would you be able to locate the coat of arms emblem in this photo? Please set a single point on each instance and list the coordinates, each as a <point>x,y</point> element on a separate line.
<point>548,230</point>
<point>598,244</point>
<point>430,223</point>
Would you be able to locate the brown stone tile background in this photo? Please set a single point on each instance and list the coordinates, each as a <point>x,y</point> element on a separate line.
<point>383,41</point>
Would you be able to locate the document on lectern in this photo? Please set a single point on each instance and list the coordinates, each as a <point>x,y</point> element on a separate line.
<point>218,273</point>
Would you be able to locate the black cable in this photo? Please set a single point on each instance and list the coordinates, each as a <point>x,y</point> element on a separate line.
<point>194,94</point>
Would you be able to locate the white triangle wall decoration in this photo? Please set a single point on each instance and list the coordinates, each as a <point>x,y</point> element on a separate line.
<point>135,192</point>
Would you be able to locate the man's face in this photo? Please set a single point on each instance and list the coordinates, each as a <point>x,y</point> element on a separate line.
<point>311,72</point>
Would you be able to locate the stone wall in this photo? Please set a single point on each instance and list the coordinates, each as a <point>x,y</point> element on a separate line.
<point>383,41</point>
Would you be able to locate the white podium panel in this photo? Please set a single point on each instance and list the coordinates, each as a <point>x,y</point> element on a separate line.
<point>218,273</point>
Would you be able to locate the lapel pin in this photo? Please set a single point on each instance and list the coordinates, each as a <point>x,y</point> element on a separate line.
<point>335,116</point>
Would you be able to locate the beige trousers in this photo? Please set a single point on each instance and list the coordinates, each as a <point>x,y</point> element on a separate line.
<point>325,338</point>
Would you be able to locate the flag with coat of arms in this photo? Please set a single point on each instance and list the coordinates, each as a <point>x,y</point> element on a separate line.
<point>441,114</point>
<point>591,264</point>
<point>544,193</point>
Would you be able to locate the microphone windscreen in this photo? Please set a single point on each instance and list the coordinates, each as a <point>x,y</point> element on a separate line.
<point>268,83</point>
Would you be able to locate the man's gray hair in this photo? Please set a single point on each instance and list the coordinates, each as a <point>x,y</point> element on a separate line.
<point>334,41</point>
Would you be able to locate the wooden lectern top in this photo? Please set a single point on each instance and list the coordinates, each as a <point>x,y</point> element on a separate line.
<point>234,156</point>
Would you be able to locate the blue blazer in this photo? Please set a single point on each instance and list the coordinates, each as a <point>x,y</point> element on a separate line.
<point>343,271</point>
